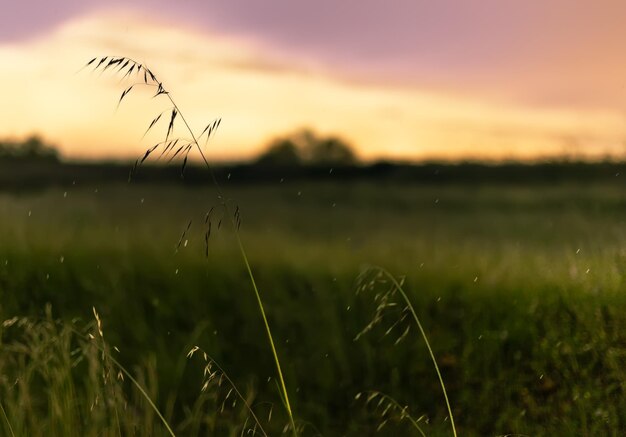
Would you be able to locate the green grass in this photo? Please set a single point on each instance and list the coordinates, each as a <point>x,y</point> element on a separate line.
<point>520,290</point>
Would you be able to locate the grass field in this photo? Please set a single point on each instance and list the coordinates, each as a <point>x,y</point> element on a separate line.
<point>520,289</point>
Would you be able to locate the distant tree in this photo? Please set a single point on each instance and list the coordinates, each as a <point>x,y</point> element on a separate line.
<point>32,148</point>
<point>329,151</point>
<point>304,147</point>
<point>280,152</point>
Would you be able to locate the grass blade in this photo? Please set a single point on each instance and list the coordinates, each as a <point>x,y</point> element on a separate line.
<point>124,94</point>
<point>152,123</point>
<point>175,112</point>
<point>406,299</point>
<point>170,127</point>
<point>6,418</point>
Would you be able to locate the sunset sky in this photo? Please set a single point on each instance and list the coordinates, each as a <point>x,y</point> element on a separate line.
<point>405,79</point>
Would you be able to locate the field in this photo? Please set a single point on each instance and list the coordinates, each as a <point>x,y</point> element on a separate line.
<point>519,287</point>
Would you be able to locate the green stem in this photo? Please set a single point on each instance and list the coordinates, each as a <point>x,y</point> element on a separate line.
<point>423,332</point>
<point>232,220</point>
<point>244,255</point>
<point>129,376</point>
<point>238,393</point>
<point>269,335</point>
<point>143,392</point>
<point>4,413</point>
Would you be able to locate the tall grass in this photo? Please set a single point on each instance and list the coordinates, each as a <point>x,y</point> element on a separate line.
<point>369,280</point>
<point>61,378</point>
<point>173,147</point>
<point>102,380</point>
<point>525,316</point>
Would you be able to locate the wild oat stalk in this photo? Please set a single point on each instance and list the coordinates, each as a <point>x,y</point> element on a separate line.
<point>386,302</point>
<point>213,373</point>
<point>389,405</point>
<point>106,356</point>
<point>173,147</point>
<point>48,353</point>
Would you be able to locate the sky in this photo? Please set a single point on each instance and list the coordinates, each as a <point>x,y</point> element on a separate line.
<point>405,80</point>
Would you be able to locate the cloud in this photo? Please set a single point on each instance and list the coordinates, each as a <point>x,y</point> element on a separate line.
<point>538,53</point>
<point>261,91</point>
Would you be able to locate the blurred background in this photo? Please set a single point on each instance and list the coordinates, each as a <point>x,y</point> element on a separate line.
<point>410,81</point>
<point>475,150</point>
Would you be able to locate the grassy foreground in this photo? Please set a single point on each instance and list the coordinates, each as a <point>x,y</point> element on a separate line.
<point>520,289</point>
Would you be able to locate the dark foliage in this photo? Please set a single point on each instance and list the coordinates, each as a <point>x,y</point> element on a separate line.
<point>32,148</point>
<point>304,147</point>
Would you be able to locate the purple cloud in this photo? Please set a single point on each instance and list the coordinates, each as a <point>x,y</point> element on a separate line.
<point>535,51</point>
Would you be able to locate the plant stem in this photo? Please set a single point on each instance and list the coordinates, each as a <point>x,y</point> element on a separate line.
<point>129,376</point>
<point>4,413</point>
<point>161,90</point>
<point>430,351</point>
<point>244,255</point>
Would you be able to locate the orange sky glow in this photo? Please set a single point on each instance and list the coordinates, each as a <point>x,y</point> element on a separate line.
<point>261,91</point>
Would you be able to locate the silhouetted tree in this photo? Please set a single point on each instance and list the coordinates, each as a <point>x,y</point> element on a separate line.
<point>31,149</point>
<point>280,152</point>
<point>329,151</point>
<point>306,148</point>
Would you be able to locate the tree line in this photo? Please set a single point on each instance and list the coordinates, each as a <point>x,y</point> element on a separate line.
<point>301,148</point>
<point>305,147</point>
<point>32,148</point>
